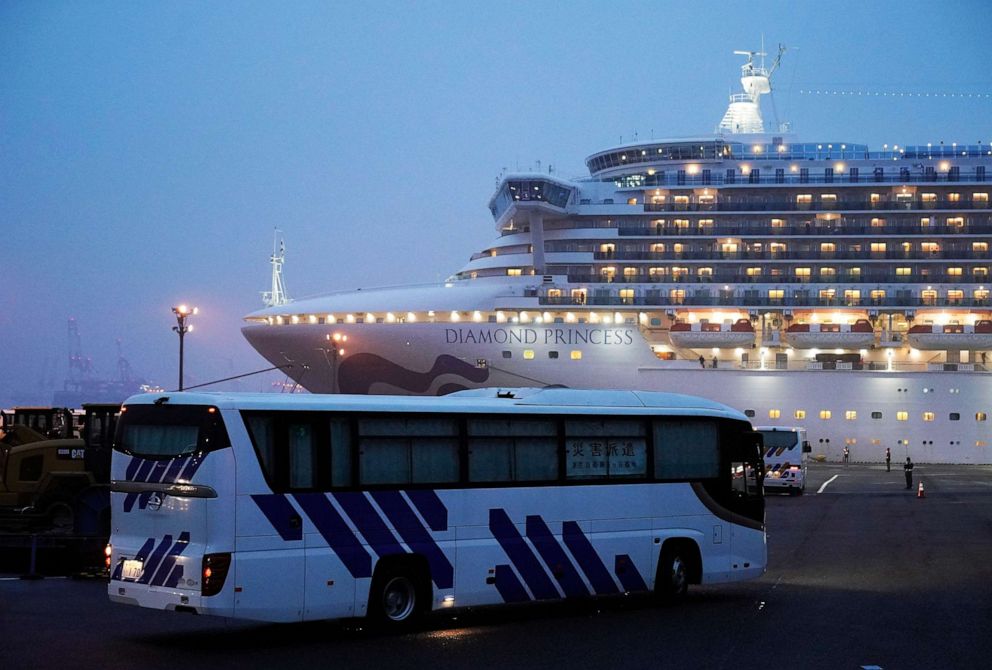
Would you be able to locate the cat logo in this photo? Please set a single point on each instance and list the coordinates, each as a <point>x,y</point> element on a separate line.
<point>154,500</point>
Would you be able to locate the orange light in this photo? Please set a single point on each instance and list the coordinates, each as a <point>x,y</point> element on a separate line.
<point>207,573</point>
<point>108,550</point>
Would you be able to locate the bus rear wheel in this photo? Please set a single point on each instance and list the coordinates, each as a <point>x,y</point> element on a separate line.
<point>672,581</point>
<point>395,599</point>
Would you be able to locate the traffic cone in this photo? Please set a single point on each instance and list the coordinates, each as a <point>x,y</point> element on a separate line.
<point>920,492</point>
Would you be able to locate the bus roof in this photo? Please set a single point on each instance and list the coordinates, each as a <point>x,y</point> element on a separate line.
<point>492,400</point>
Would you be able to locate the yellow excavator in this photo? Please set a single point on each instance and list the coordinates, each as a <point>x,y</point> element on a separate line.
<point>50,480</point>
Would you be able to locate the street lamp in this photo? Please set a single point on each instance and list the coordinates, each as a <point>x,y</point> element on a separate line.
<point>182,313</point>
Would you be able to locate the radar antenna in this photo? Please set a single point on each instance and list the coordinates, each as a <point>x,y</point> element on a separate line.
<point>277,296</point>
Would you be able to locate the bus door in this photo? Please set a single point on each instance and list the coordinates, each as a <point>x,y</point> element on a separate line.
<point>171,495</point>
<point>269,561</point>
<point>747,502</point>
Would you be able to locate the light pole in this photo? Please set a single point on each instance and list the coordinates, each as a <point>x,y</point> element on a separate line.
<point>182,313</point>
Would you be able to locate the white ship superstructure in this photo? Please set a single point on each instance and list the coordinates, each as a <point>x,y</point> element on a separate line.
<point>809,283</point>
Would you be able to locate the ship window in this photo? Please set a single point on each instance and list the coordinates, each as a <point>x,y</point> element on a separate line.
<point>676,296</point>
<point>828,247</point>
<point>576,355</point>
<point>928,296</point>
<point>778,223</point>
<point>802,272</point>
<point>981,416</point>
<point>507,354</point>
<point>632,201</point>
<point>776,294</point>
<point>825,414</point>
<point>980,246</point>
<point>852,296</point>
<point>878,247</point>
<point>627,296</point>
<point>876,415</point>
<point>902,416</point>
<point>981,294</point>
<point>528,354</point>
<point>799,414</point>
<point>954,197</point>
<point>928,416</point>
<point>928,198</point>
<point>954,416</point>
<point>514,272</point>
<point>754,272</point>
<point>705,224</point>
<point>851,415</point>
<point>877,295</point>
<point>552,354</point>
<point>774,413</point>
<point>955,296</point>
<point>749,413</point>
<point>878,223</point>
<point>904,272</point>
<point>929,247</point>
<point>955,222</point>
<point>828,272</point>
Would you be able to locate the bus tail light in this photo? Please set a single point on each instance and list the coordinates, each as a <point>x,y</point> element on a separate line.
<point>108,551</point>
<point>215,567</point>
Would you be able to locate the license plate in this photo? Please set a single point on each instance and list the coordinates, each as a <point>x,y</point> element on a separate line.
<point>132,569</point>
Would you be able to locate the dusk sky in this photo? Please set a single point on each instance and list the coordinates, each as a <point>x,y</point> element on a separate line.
<point>149,149</point>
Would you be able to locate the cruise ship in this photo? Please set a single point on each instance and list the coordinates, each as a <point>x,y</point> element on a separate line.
<point>820,284</point>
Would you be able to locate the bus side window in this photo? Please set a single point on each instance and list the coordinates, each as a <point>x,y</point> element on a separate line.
<point>401,450</point>
<point>340,452</point>
<point>262,431</point>
<point>686,449</point>
<point>505,450</point>
<point>301,453</point>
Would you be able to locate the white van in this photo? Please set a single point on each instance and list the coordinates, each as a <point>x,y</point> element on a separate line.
<point>786,455</point>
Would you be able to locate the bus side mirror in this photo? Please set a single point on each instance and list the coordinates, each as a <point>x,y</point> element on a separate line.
<point>807,447</point>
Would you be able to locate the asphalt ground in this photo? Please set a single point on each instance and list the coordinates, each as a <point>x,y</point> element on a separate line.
<point>862,574</point>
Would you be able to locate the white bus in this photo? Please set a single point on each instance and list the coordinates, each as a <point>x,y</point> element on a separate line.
<point>786,458</point>
<point>301,507</point>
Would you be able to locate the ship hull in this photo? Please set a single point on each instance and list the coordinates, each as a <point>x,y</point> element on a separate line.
<point>915,410</point>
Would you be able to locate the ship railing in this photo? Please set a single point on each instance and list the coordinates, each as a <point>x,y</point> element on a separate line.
<point>690,301</point>
<point>716,177</point>
<point>751,229</point>
<point>793,206</point>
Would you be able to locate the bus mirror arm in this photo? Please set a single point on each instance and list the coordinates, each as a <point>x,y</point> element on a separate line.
<point>807,447</point>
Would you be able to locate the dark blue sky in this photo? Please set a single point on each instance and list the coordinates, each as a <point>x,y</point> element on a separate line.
<point>147,150</point>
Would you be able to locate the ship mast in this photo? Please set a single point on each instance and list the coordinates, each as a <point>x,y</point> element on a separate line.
<point>743,115</point>
<point>277,296</point>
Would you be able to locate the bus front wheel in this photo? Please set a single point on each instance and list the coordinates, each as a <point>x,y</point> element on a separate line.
<point>672,581</point>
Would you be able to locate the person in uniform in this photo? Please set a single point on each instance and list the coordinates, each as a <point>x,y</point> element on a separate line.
<point>907,470</point>
<point>888,460</point>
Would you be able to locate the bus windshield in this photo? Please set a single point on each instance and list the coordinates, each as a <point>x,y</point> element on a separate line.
<point>164,431</point>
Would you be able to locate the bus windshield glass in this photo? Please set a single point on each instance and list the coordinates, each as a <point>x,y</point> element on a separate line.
<point>164,431</point>
<point>778,439</point>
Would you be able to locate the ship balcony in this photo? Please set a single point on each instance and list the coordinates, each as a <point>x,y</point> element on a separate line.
<point>715,177</point>
<point>786,278</point>
<point>698,255</point>
<point>656,299</point>
<point>836,227</point>
<point>776,205</point>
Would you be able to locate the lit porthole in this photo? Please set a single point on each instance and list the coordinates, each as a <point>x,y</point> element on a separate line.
<point>902,416</point>
<point>800,414</point>
<point>851,415</point>
<point>576,355</point>
<point>774,413</point>
<point>528,354</point>
<point>981,416</point>
<point>928,416</point>
<point>825,414</point>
